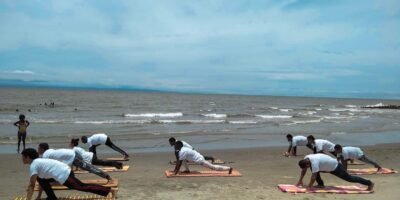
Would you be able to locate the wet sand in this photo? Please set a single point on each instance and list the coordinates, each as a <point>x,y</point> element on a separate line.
<point>262,169</point>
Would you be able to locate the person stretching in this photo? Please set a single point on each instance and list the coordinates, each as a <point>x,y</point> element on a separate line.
<point>345,154</point>
<point>45,171</point>
<point>323,163</point>
<point>69,157</point>
<point>99,139</point>
<point>294,142</point>
<point>90,157</point>
<point>184,153</point>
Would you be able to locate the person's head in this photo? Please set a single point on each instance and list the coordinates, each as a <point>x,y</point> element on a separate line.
<point>172,141</point>
<point>74,142</point>
<point>338,149</point>
<point>84,139</point>
<point>289,137</point>
<point>21,117</point>
<point>42,148</point>
<point>178,145</point>
<point>28,155</point>
<point>305,163</point>
<point>310,139</point>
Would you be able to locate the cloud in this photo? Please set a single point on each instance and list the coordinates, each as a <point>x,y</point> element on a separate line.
<point>21,72</point>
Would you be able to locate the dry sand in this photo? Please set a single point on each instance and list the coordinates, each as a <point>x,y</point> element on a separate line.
<point>262,169</point>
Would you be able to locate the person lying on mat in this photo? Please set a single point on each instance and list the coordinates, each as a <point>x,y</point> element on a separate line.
<point>184,154</point>
<point>45,171</point>
<point>323,163</point>
<point>90,157</point>
<point>99,139</point>
<point>294,142</point>
<point>172,142</point>
<point>321,146</point>
<point>345,154</point>
<point>71,158</point>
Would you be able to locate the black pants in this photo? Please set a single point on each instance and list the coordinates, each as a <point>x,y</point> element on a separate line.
<point>109,144</point>
<point>96,161</point>
<point>72,183</point>
<point>342,173</point>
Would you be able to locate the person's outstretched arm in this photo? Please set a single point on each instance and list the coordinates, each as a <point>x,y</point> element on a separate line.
<point>31,187</point>
<point>289,149</point>
<point>177,166</point>
<point>302,174</point>
<point>312,179</point>
<point>344,162</point>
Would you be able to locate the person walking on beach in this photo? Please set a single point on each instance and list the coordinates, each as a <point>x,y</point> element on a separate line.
<point>345,154</point>
<point>90,157</point>
<point>69,157</point>
<point>99,139</point>
<point>323,163</point>
<point>45,171</point>
<point>183,153</point>
<point>321,146</point>
<point>294,142</point>
<point>22,125</point>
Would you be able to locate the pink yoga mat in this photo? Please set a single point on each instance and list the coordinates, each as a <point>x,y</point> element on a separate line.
<point>351,189</point>
<point>370,171</point>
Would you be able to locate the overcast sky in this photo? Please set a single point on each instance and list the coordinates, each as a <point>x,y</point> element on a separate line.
<point>282,47</point>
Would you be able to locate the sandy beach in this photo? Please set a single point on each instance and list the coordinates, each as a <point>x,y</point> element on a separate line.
<point>262,169</point>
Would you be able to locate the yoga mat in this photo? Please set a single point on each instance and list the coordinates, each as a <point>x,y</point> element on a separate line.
<point>217,161</point>
<point>57,186</point>
<point>351,189</point>
<point>235,173</point>
<point>370,171</point>
<point>76,197</point>
<point>125,168</point>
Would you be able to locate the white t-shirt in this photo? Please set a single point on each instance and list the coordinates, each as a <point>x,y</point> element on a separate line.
<point>352,153</point>
<point>322,163</point>
<point>49,168</point>
<point>299,141</point>
<point>99,138</point>
<point>324,145</point>
<point>86,156</point>
<point>190,155</point>
<point>187,145</point>
<point>66,156</point>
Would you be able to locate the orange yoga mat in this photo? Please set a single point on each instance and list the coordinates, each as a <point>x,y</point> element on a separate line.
<point>235,173</point>
<point>125,168</point>
<point>103,182</point>
<point>351,189</point>
<point>76,197</point>
<point>370,171</point>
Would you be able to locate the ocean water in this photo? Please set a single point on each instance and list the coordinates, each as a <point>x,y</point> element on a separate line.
<point>143,121</point>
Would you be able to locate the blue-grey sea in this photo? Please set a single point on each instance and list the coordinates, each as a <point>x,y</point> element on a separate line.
<point>143,121</point>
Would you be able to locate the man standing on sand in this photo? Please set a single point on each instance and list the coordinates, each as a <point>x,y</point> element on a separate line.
<point>99,139</point>
<point>323,163</point>
<point>345,154</point>
<point>45,171</point>
<point>184,153</point>
<point>294,142</point>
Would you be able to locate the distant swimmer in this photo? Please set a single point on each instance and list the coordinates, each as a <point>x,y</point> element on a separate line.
<point>71,158</point>
<point>99,139</point>
<point>172,142</point>
<point>45,171</point>
<point>344,154</point>
<point>321,146</point>
<point>294,142</point>
<point>22,125</point>
<point>323,163</point>
<point>90,157</point>
<point>184,154</point>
